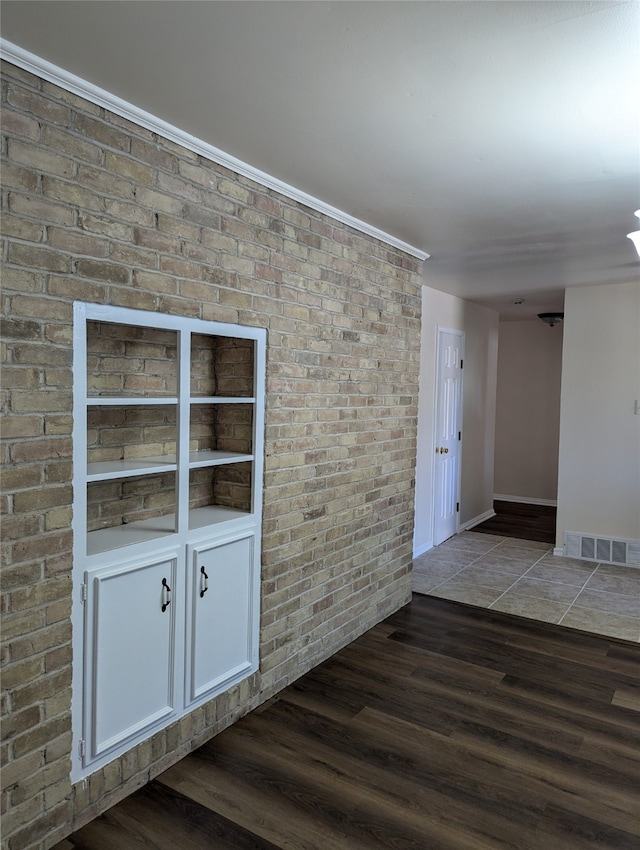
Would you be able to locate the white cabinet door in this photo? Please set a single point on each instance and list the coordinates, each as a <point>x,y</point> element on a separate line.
<point>130,634</point>
<point>221,631</point>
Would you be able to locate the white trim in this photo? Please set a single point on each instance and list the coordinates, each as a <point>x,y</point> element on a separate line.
<point>476,520</point>
<point>425,547</point>
<point>525,500</point>
<point>65,80</point>
<point>446,330</point>
<point>559,552</point>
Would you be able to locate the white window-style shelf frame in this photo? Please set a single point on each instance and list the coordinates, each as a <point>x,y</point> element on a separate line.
<point>186,460</point>
<point>168,533</point>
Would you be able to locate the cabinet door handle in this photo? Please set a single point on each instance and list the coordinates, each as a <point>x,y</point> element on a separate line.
<point>204,582</point>
<point>166,590</point>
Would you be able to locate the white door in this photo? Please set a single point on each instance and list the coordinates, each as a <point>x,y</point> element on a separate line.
<point>221,644</point>
<point>130,622</point>
<point>447,434</point>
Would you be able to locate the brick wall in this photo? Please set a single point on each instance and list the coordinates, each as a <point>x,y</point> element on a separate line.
<point>98,209</point>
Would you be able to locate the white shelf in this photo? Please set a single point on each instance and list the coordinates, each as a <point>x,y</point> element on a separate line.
<point>214,458</point>
<point>109,469</point>
<point>213,515</point>
<point>129,401</point>
<point>107,539</point>
<point>214,399</point>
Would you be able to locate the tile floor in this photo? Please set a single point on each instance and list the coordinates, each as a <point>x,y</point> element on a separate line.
<point>523,577</point>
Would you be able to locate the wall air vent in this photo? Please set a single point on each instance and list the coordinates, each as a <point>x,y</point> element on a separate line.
<point>603,551</point>
<point>589,547</point>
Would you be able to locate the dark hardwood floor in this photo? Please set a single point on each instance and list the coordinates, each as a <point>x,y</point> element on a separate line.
<point>527,522</point>
<point>446,727</point>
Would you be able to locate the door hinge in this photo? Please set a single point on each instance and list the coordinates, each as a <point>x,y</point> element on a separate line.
<point>457,507</point>
<point>462,364</point>
<point>83,593</point>
<point>82,748</point>
<point>459,435</point>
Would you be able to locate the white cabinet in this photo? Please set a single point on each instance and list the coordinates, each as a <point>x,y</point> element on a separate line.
<point>168,454</point>
<point>129,651</point>
<point>220,642</point>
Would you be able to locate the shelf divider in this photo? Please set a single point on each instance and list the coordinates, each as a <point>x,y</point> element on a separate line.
<point>129,401</point>
<point>109,469</point>
<point>213,399</point>
<point>216,458</point>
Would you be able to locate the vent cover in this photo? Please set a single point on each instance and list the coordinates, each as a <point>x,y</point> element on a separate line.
<point>602,549</point>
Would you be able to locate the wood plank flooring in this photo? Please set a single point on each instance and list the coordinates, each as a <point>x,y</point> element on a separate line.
<point>527,522</point>
<point>446,727</point>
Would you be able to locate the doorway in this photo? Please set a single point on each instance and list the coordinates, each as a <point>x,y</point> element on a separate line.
<point>528,417</point>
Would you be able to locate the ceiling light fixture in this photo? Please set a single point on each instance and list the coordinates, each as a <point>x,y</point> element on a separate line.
<point>551,319</point>
<point>635,235</point>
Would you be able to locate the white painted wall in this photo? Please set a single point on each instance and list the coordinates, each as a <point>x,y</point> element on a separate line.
<point>599,468</point>
<point>528,411</point>
<point>480,326</point>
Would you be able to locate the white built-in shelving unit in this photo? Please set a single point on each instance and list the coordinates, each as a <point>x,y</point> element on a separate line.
<point>168,458</point>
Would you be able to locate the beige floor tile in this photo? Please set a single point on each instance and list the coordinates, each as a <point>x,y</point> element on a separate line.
<point>574,563</point>
<point>614,583</point>
<point>526,606</point>
<point>424,584</point>
<point>483,577</point>
<point>479,535</point>
<point>602,623</point>
<point>481,596</point>
<point>617,571</point>
<point>439,572</point>
<point>510,544</point>
<point>563,575</point>
<point>515,566</point>
<point>610,603</point>
<point>544,587</point>
<point>552,591</point>
<point>467,544</point>
<point>461,558</point>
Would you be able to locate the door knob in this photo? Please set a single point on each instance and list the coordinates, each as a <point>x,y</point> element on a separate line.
<point>442,450</point>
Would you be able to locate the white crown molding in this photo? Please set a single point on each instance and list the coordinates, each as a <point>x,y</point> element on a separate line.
<point>59,77</point>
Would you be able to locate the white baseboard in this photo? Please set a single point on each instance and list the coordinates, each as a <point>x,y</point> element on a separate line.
<point>424,547</point>
<point>471,523</point>
<point>559,552</point>
<point>525,500</point>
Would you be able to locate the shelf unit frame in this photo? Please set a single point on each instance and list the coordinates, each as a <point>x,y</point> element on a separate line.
<point>184,460</point>
<point>177,534</point>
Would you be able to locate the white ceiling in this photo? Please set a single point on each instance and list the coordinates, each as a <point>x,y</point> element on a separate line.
<point>503,138</point>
